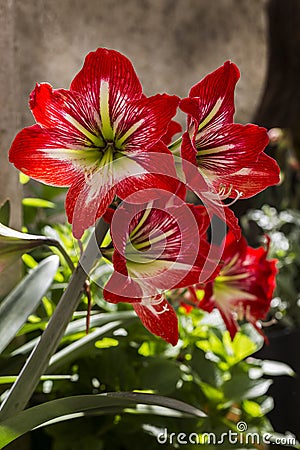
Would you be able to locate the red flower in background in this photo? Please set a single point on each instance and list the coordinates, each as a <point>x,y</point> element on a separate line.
<point>157,247</point>
<point>229,156</point>
<point>96,137</point>
<point>244,286</point>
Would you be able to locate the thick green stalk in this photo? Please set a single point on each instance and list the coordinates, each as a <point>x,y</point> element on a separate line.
<point>38,360</point>
<point>175,145</point>
<point>65,255</point>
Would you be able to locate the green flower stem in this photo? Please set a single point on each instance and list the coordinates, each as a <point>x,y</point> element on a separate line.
<point>175,145</point>
<point>38,360</point>
<point>53,243</point>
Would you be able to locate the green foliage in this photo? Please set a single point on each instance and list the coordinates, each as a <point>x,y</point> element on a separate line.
<point>5,212</point>
<point>205,371</point>
<point>23,300</point>
<point>70,407</point>
<point>38,205</point>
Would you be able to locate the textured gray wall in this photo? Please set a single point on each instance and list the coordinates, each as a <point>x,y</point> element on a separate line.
<point>9,111</point>
<point>172,43</point>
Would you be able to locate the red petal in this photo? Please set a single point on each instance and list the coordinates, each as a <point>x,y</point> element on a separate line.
<point>34,151</point>
<point>208,304</point>
<point>160,319</point>
<point>88,199</point>
<point>226,215</point>
<point>197,184</point>
<point>172,234</point>
<point>234,248</point>
<point>144,188</point>
<point>188,149</point>
<point>157,173</point>
<point>202,218</point>
<point>73,121</point>
<point>85,203</point>
<point>154,115</point>
<point>232,222</point>
<point>225,150</point>
<point>108,215</point>
<point>121,288</point>
<point>115,69</point>
<point>230,322</point>
<point>173,128</point>
<point>254,177</point>
<point>211,101</point>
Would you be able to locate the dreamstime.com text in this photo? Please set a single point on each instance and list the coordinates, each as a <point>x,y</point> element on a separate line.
<point>242,436</point>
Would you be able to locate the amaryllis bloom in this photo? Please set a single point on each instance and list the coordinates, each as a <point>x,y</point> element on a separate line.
<point>155,248</point>
<point>244,287</point>
<point>229,156</point>
<point>97,137</point>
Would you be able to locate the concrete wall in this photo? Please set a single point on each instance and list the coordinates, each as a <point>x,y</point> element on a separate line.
<point>9,111</point>
<point>172,43</point>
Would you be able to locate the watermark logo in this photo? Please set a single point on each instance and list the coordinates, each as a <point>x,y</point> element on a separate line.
<point>242,426</point>
<point>241,436</point>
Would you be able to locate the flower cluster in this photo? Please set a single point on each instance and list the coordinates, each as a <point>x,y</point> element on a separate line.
<point>111,144</point>
<point>242,289</point>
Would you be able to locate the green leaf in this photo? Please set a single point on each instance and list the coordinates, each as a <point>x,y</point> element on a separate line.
<point>77,348</point>
<point>106,342</point>
<point>37,203</point>
<point>242,346</point>
<point>38,360</point>
<point>70,407</point>
<point>79,325</point>
<point>23,300</point>
<point>240,387</point>
<point>212,393</point>
<point>8,235</point>
<point>249,330</point>
<point>29,261</point>
<point>24,179</point>
<point>169,374</point>
<point>98,320</point>
<point>252,408</point>
<point>207,370</point>
<point>5,212</point>
<point>13,244</point>
<point>12,378</point>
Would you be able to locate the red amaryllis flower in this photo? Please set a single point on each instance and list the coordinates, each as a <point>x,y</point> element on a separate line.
<point>156,247</point>
<point>229,156</point>
<point>96,137</point>
<point>244,286</point>
<point>173,128</point>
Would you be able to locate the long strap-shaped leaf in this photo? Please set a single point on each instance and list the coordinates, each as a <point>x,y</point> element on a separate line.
<point>38,360</point>
<point>69,407</point>
<point>80,325</point>
<point>24,299</point>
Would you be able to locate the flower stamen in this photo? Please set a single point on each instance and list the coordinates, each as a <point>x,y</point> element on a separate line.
<point>150,302</point>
